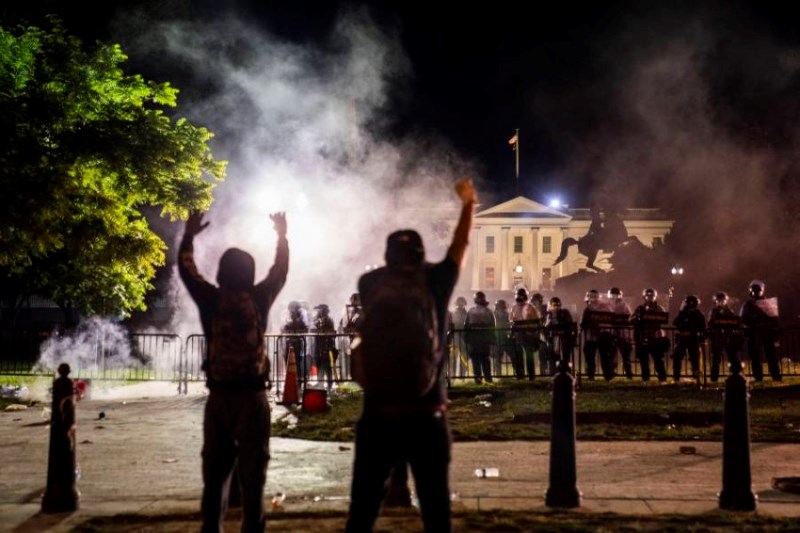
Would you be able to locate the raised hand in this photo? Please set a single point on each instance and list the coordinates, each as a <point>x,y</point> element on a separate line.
<point>466,191</point>
<point>195,224</point>
<point>279,220</point>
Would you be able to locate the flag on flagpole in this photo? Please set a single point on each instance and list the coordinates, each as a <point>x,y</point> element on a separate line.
<point>513,141</point>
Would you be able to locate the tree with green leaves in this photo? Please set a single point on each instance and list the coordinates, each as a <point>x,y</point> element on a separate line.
<point>86,148</point>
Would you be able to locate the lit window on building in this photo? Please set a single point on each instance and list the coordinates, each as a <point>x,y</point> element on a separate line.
<point>490,244</point>
<point>547,244</point>
<point>518,245</point>
<point>489,277</point>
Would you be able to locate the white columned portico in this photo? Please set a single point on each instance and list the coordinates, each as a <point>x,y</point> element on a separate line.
<point>534,273</point>
<point>504,230</point>
<point>476,262</point>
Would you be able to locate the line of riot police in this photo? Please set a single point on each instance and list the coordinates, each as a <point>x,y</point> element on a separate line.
<point>530,337</point>
<point>530,332</point>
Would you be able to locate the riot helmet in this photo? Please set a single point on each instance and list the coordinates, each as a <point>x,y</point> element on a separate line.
<point>650,295</point>
<point>480,298</point>
<point>720,298</point>
<point>500,304</point>
<point>691,302</point>
<point>322,310</point>
<point>522,295</point>
<point>592,296</point>
<point>555,302</point>
<point>537,297</point>
<point>355,299</point>
<point>461,301</point>
<point>615,293</point>
<point>757,288</point>
<point>294,306</point>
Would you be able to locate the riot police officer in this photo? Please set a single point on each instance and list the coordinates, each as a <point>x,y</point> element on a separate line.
<point>325,353</point>
<point>621,333</point>
<point>526,327</point>
<point>560,330</point>
<point>479,329</point>
<point>648,335</point>
<point>596,338</point>
<point>691,327</point>
<point>296,324</point>
<point>724,334</point>
<point>459,317</point>
<point>505,345</point>
<point>760,321</point>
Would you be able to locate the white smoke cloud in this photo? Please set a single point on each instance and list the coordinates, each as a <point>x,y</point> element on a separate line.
<point>301,129</point>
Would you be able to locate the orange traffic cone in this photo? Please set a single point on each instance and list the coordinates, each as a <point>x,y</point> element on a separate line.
<point>313,373</point>
<point>290,392</point>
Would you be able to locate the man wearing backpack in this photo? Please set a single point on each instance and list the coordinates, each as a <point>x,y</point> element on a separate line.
<point>236,422</point>
<point>399,363</point>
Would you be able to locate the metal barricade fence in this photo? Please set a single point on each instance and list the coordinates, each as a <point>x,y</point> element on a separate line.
<point>166,357</point>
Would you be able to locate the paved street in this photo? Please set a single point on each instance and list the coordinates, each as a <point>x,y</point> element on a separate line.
<point>142,455</point>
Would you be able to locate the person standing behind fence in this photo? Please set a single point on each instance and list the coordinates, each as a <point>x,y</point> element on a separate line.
<point>724,333</point>
<point>526,323</point>
<point>414,430</point>
<point>459,317</point>
<point>621,321</point>
<point>325,353</point>
<point>541,347</point>
<point>596,336</point>
<point>295,327</point>
<point>236,422</point>
<point>760,321</point>
<point>691,328</point>
<point>479,330</point>
<point>650,340</point>
<point>505,345</point>
<point>560,330</point>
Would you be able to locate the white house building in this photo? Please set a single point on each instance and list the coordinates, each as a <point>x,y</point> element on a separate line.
<point>514,244</point>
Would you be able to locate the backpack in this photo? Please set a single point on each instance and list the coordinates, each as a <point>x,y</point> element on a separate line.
<point>236,351</point>
<point>398,356</point>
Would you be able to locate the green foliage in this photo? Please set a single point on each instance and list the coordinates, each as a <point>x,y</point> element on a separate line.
<point>87,147</point>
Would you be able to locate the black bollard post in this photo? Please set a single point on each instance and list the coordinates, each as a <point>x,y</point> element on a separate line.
<point>61,494</point>
<point>563,490</point>
<point>737,489</point>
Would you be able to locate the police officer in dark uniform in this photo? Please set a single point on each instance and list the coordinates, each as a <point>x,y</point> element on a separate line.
<point>325,353</point>
<point>296,324</point>
<point>597,338</point>
<point>560,330</point>
<point>691,327</point>
<point>505,345</point>
<point>648,335</point>
<point>479,327</point>
<point>724,334</point>
<point>621,332</point>
<point>760,321</point>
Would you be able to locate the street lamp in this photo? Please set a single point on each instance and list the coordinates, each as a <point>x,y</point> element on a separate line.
<point>519,269</point>
<point>676,271</point>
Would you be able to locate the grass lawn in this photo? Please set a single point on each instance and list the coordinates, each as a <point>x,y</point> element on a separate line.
<point>620,410</point>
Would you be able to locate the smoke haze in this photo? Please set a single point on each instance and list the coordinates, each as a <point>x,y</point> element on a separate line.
<point>689,108</point>
<point>297,125</point>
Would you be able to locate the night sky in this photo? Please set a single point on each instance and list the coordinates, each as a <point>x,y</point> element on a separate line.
<point>692,107</point>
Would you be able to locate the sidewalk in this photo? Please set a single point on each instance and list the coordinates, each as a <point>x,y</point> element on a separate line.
<point>142,457</point>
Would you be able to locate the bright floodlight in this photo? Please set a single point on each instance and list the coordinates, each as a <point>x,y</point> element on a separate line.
<point>677,271</point>
<point>555,203</point>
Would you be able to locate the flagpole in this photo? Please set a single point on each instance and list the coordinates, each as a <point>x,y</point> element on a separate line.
<point>516,151</point>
